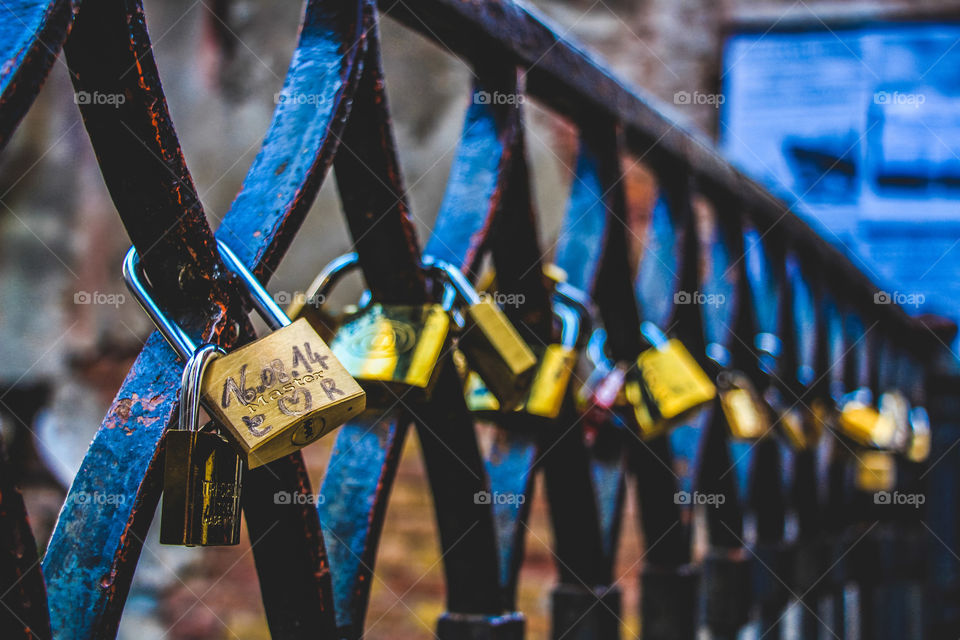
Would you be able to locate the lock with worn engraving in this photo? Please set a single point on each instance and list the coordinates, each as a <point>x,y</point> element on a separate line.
<point>489,341</point>
<point>202,472</point>
<point>670,381</point>
<point>394,351</point>
<point>275,394</point>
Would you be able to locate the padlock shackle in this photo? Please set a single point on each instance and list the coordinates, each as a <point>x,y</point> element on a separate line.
<point>570,306</point>
<point>454,276</point>
<point>191,383</point>
<point>330,275</point>
<point>176,337</point>
<point>263,302</point>
<point>653,334</point>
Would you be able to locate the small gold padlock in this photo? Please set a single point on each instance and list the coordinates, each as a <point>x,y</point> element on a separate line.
<point>895,406</point>
<point>271,396</point>
<point>202,472</point>
<point>861,422</point>
<point>633,393</point>
<point>742,406</point>
<point>918,448</point>
<point>489,341</point>
<point>875,471</point>
<point>673,383</point>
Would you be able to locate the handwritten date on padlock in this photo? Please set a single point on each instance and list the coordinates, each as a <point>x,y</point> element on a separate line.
<point>280,393</point>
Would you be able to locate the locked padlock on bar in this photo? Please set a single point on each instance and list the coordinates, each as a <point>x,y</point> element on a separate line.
<point>671,382</point>
<point>554,369</point>
<point>489,341</point>
<point>875,471</point>
<point>271,396</point>
<point>742,406</point>
<point>862,423</point>
<point>392,350</point>
<point>202,472</point>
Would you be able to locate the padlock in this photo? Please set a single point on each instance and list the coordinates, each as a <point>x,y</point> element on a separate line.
<point>555,366</point>
<point>672,383</point>
<point>875,471</point>
<point>554,369</point>
<point>202,472</point>
<point>862,423</point>
<point>747,416</point>
<point>489,341</point>
<point>392,350</point>
<point>275,394</point>
<point>918,447</point>
<point>796,426</point>
<point>895,406</point>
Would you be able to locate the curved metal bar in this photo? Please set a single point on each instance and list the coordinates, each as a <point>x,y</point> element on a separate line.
<point>109,51</point>
<point>31,34</point>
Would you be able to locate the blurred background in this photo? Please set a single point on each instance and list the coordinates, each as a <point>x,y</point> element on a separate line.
<point>844,109</point>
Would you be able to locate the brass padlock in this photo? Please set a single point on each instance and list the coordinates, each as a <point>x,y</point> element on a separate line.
<point>918,448</point>
<point>875,471</point>
<point>746,414</point>
<point>554,369</point>
<point>671,381</point>
<point>862,423</point>
<point>392,350</point>
<point>273,395</point>
<point>895,406</point>
<point>201,471</point>
<point>489,341</point>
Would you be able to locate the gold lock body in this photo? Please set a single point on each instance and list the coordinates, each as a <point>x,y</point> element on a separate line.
<point>201,490</point>
<point>745,416</point>
<point>280,393</point>
<point>876,471</point>
<point>497,353</point>
<point>865,425</point>
<point>391,349</point>
<point>673,383</point>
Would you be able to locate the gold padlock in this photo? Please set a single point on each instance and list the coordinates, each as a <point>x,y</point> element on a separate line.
<point>875,471</point>
<point>673,383</point>
<point>918,448</point>
<point>861,422</point>
<point>551,381</point>
<point>489,341</point>
<point>271,396</point>
<point>742,406</point>
<point>633,393</point>
<point>202,472</point>
<point>895,406</point>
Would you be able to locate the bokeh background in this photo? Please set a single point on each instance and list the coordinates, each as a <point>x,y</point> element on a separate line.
<point>69,331</point>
